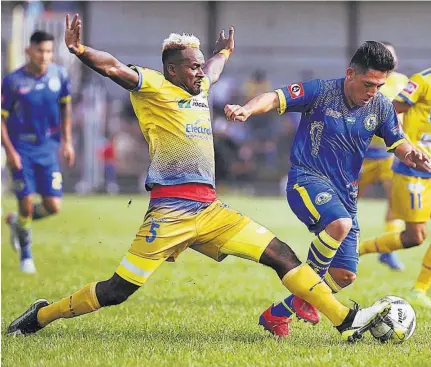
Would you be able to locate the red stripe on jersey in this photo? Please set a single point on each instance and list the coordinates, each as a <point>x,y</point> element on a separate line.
<point>190,191</point>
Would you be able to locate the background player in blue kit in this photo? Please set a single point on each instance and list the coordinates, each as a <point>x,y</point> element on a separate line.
<point>36,112</point>
<point>339,119</point>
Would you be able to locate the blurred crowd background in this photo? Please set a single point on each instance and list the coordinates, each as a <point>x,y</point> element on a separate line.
<point>277,43</point>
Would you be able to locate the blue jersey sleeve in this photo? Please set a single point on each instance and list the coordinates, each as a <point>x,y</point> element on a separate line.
<point>298,97</point>
<point>390,130</point>
<point>7,97</point>
<point>65,93</point>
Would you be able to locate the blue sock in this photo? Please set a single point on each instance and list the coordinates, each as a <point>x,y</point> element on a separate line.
<point>26,252</point>
<point>25,242</point>
<point>284,308</point>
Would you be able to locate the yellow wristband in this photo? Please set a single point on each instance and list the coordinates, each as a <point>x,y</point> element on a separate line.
<point>81,50</point>
<point>226,53</point>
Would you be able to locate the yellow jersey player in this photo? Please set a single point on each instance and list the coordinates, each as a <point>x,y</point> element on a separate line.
<point>173,113</point>
<point>411,192</point>
<point>377,166</point>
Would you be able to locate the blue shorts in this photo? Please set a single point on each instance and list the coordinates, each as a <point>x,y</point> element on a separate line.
<point>39,174</point>
<point>315,202</point>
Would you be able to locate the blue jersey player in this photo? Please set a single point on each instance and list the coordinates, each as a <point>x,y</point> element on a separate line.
<point>35,113</point>
<point>339,119</point>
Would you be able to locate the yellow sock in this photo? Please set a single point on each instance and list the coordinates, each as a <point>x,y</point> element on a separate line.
<point>24,222</point>
<point>387,242</point>
<point>424,279</point>
<point>394,225</point>
<point>79,303</point>
<point>329,280</point>
<point>306,284</point>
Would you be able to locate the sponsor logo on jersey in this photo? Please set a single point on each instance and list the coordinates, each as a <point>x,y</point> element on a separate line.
<point>415,187</point>
<point>39,86</point>
<point>330,112</point>
<point>54,84</point>
<point>24,90</point>
<point>200,129</point>
<point>195,103</point>
<point>370,122</point>
<point>323,198</point>
<point>410,87</point>
<point>296,90</point>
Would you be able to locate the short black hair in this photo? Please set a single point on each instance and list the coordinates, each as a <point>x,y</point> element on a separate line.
<point>171,53</point>
<point>41,36</point>
<point>372,55</point>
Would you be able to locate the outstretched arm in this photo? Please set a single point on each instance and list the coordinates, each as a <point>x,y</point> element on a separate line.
<point>262,103</point>
<point>413,157</point>
<point>100,61</point>
<point>223,49</point>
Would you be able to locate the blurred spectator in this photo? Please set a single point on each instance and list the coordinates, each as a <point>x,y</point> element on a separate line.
<point>108,156</point>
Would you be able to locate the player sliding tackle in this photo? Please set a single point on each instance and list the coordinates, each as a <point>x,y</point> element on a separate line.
<point>172,109</point>
<point>339,119</point>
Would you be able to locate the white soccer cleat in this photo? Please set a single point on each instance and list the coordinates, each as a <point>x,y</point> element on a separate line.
<point>12,222</point>
<point>27,266</point>
<point>358,321</point>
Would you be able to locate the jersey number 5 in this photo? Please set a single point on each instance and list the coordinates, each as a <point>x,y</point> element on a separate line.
<point>153,228</point>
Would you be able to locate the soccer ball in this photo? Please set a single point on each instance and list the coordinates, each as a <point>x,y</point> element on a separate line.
<point>399,324</point>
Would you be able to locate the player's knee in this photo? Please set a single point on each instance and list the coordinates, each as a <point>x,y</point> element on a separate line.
<point>280,257</point>
<point>415,237</point>
<point>114,291</point>
<point>339,228</point>
<point>53,207</point>
<point>342,277</point>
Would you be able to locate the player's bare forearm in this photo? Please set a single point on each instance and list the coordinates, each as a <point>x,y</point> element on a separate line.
<point>108,66</point>
<point>5,140</point>
<point>214,67</point>
<point>402,150</point>
<point>66,121</point>
<point>401,107</point>
<point>263,103</point>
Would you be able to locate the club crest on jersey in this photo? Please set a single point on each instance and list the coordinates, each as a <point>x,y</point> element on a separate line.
<point>296,90</point>
<point>323,198</point>
<point>410,87</point>
<point>54,84</point>
<point>195,103</point>
<point>370,122</point>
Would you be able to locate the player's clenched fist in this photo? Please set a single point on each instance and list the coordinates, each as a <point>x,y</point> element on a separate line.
<point>235,112</point>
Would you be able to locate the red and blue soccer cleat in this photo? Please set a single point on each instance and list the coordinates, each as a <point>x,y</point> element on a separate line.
<point>279,325</point>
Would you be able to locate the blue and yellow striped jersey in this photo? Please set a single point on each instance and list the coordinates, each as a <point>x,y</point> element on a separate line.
<point>177,128</point>
<point>417,120</point>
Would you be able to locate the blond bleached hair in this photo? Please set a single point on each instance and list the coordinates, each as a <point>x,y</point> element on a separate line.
<point>178,41</point>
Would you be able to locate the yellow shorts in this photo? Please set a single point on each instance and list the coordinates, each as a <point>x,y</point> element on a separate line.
<point>375,170</point>
<point>216,231</point>
<point>411,198</point>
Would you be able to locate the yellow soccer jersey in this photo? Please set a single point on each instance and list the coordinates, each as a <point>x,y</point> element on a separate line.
<point>417,120</point>
<point>177,128</point>
<point>394,85</point>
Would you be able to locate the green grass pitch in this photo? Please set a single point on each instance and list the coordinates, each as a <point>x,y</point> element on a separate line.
<point>194,312</point>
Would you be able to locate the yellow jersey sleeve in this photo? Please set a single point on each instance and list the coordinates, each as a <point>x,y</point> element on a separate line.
<point>150,81</point>
<point>414,89</point>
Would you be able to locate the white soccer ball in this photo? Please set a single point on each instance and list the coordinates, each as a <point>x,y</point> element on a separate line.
<point>399,324</point>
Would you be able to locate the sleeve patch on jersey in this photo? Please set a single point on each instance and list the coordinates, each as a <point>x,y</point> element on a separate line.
<point>295,90</point>
<point>411,87</point>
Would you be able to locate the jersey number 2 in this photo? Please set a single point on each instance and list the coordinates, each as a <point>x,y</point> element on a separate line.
<point>153,228</point>
<point>57,180</point>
